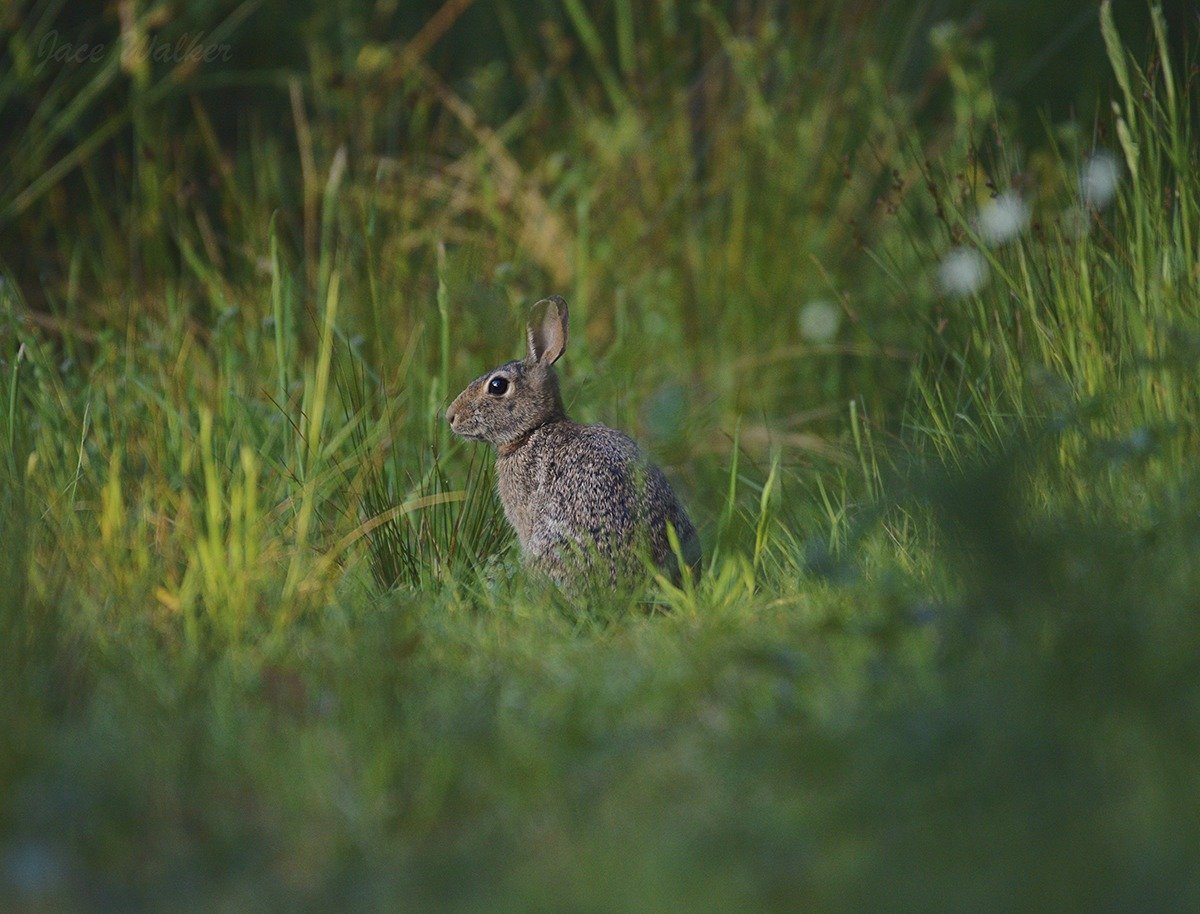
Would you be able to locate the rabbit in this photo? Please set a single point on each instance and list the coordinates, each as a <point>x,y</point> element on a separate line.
<point>584,502</point>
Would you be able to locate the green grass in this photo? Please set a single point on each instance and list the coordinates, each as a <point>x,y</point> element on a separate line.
<point>266,643</point>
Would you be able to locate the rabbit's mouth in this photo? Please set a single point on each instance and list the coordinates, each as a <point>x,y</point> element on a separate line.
<point>466,431</point>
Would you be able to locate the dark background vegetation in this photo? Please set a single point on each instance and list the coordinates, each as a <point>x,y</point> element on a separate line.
<point>1050,68</point>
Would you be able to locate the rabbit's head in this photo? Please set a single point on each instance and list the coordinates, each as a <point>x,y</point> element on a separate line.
<point>508,402</point>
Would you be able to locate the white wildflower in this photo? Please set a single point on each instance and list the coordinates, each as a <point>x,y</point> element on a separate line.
<point>942,34</point>
<point>963,271</point>
<point>1003,219</point>
<point>819,321</point>
<point>1099,179</point>
<point>35,870</point>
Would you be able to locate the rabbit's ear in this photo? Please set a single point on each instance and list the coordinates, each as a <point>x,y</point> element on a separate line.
<point>548,330</point>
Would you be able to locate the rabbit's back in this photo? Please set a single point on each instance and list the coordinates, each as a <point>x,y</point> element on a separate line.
<point>573,490</point>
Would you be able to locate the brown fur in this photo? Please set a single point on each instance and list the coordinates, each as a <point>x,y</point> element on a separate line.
<point>582,499</point>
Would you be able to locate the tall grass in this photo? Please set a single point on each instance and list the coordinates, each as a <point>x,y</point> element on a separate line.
<point>265,640</point>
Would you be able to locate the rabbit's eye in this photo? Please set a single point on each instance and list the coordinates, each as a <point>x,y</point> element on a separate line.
<point>497,386</point>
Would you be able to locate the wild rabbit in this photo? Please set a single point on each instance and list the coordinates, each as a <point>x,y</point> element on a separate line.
<point>584,502</point>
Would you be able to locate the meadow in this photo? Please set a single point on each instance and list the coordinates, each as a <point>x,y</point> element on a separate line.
<point>919,357</point>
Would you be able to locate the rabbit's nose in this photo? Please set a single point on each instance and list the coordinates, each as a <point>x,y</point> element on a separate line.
<point>450,414</point>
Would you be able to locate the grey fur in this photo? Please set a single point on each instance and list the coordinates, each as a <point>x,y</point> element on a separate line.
<point>582,499</point>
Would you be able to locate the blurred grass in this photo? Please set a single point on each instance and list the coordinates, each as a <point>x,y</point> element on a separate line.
<point>264,639</point>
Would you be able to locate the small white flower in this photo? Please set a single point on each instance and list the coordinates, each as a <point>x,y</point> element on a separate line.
<point>819,321</point>
<point>942,34</point>
<point>1003,219</point>
<point>1099,179</point>
<point>35,870</point>
<point>963,271</point>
